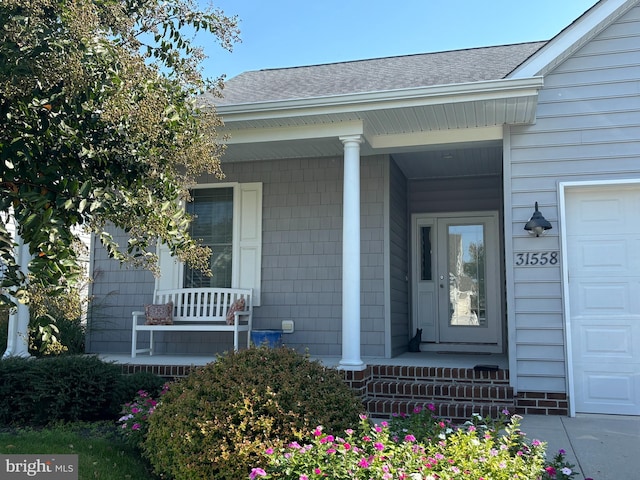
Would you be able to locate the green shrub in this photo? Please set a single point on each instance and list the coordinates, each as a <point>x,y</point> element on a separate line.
<point>40,391</point>
<point>129,385</point>
<point>218,421</point>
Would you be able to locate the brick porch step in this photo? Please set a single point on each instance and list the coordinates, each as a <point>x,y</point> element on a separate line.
<point>457,393</point>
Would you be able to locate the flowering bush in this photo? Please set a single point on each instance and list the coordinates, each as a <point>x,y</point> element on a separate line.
<point>374,453</point>
<point>559,468</point>
<point>427,427</point>
<point>134,421</point>
<point>423,424</point>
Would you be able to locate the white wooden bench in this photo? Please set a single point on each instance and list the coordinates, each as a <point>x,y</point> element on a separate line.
<point>197,310</point>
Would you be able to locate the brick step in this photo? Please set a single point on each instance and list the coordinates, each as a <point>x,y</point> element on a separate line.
<point>440,374</point>
<point>438,392</point>
<point>457,412</point>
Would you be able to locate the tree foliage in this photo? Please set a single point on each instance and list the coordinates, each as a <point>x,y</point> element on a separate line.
<point>101,126</point>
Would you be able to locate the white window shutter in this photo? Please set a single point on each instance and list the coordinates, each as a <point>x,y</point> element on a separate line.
<point>170,269</point>
<point>250,239</point>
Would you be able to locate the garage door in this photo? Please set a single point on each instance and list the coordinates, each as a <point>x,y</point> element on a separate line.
<point>603,255</point>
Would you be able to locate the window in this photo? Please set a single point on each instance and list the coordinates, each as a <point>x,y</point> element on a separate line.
<point>212,209</point>
<point>229,220</point>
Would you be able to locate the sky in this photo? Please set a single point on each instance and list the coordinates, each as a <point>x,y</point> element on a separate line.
<point>287,33</point>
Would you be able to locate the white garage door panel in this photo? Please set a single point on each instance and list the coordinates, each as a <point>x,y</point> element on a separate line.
<point>603,255</point>
<point>601,298</point>
<point>607,344</point>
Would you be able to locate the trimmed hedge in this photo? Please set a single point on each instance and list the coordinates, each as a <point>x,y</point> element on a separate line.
<point>39,391</point>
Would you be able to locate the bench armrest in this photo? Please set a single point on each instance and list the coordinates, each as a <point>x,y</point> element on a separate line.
<point>137,315</point>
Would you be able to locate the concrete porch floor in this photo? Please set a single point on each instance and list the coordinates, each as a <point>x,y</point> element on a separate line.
<point>419,359</point>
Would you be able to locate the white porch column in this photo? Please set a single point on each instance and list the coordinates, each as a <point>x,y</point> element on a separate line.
<point>18,332</point>
<point>351,255</point>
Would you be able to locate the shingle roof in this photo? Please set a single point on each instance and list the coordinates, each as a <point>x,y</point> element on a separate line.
<point>376,75</point>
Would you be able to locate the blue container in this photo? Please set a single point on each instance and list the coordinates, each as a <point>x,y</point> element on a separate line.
<point>268,338</point>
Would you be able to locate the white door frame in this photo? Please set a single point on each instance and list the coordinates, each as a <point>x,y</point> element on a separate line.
<point>562,189</point>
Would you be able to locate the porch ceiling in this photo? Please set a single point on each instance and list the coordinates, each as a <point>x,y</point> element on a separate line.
<point>471,160</point>
<point>391,122</point>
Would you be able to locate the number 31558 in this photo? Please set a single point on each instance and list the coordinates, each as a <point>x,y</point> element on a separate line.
<point>536,258</point>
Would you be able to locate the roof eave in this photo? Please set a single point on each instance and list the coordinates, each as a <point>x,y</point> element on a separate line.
<point>358,102</point>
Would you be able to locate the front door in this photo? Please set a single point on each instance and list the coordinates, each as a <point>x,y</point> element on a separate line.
<point>456,282</point>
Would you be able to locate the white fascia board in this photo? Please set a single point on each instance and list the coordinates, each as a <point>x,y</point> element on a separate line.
<point>572,37</point>
<point>359,102</point>
<point>276,134</point>
<point>439,137</point>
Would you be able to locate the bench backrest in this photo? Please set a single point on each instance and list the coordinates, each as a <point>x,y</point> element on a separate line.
<point>203,304</point>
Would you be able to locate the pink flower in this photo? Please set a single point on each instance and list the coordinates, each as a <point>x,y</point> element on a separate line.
<point>303,477</point>
<point>431,407</point>
<point>269,451</point>
<point>551,471</point>
<point>418,409</point>
<point>257,472</point>
<point>318,431</point>
<point>317,471</point>
<point>378,446</point>
<point>409,438</point>
<point>364,463</point>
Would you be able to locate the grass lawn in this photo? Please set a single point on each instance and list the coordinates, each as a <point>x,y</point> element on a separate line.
<point>102,454</point>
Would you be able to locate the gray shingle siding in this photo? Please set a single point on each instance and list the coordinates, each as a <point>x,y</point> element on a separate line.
<point>301,262</point>
<point>399,260</point>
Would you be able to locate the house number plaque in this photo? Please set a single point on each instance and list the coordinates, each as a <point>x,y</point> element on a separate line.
<point>536,259</point>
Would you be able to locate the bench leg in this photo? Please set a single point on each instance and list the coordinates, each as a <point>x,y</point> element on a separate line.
<point>235,338</point>
<point>134,341</point>
<point>150,342</point>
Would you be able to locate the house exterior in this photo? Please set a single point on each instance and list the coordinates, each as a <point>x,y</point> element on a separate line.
<point>364,200</point>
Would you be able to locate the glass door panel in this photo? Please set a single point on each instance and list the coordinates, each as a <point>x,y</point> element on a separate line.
<point>468,280</point>
<point>467,301</point>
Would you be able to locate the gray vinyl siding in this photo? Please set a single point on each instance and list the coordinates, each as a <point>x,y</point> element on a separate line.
<point>587,128</point>
<point>301,263</point>
<point>398,260</point>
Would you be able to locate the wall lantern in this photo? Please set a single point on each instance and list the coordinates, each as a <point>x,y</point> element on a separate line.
<point>537,224</point>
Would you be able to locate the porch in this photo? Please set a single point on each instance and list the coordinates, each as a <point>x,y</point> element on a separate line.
<point>458,385</point>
